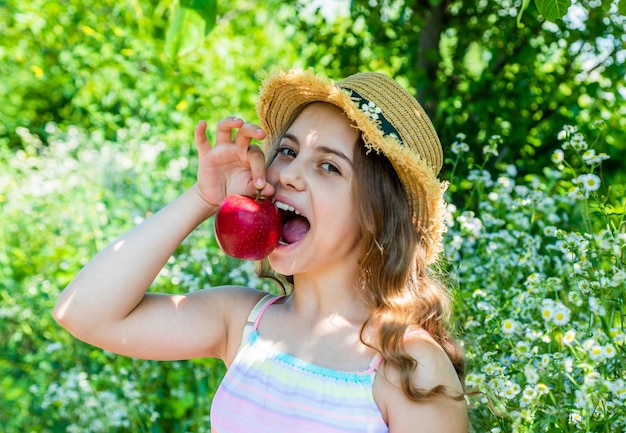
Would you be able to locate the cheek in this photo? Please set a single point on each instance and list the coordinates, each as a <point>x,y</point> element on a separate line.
<point>345,214</point>
<point>272,172</point>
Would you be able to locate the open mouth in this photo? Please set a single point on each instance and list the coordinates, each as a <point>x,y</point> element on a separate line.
<point>295,225</point>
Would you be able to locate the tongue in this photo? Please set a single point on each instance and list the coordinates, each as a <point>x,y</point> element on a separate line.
<point>294,229</point>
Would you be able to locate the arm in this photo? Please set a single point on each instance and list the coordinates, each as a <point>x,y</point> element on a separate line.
<point>437,415</point>
<point>106,304</point>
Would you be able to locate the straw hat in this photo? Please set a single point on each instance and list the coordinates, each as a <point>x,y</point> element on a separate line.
<point>391,122</point>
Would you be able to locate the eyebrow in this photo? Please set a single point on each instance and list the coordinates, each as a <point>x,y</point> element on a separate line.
<point>321,149</point>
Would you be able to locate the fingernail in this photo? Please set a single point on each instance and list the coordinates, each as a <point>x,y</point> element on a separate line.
<point>260,182</point>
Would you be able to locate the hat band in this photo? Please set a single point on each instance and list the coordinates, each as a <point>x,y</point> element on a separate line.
<point>375,114</point>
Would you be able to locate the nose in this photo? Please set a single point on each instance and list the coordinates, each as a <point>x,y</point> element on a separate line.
<point>291,175</point>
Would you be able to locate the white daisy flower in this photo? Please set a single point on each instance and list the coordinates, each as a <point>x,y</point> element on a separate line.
<point>575,418</point>
<point>558,156</point>
<point>596,352</point>
<point>589,182</point>
<point>588,155</point>
<point>584,286</point>
<point>589,343</point>
<point>550,231</point>
<point>547,311</point>
<point>511,390</point>
<point>569,337</point>
<point>509,326</point>
<point>608,351</point>
<point>561,315</point>
<point>532,278</point>
<point>576,193</point>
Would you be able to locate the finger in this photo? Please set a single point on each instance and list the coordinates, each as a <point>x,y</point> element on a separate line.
<point>259,184</point>
<point>199,134</point>
<point>256,159</point>
<point>225,128</point>
<point>247,133</point>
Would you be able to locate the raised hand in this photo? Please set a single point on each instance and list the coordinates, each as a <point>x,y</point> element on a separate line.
<point>233,165</point>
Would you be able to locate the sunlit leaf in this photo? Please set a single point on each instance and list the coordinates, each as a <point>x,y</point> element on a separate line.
<point>207,9</point>
<point>621,7</point>
<point>553,10</point>
<point>190,22</point>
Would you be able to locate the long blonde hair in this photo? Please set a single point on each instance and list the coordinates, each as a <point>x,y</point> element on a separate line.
<point>403,294</point>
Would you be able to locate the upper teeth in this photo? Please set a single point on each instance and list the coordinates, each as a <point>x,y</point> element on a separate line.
<point>285,206</point>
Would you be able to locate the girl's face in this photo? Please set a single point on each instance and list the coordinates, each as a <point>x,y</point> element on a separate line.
<point>313,173</point>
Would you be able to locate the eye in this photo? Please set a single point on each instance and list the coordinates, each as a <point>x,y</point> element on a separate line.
<point>288,151</point>
<point>330,167</point>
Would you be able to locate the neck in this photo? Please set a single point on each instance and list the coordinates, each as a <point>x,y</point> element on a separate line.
<point>321,297</point>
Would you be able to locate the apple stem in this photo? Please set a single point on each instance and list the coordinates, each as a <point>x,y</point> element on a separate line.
<point>258,194</point>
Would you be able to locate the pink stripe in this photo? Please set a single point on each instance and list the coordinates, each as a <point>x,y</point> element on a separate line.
<point>374,364</point>
<point>258,317</point>
<point>240,416</point>
<point>233,421</point>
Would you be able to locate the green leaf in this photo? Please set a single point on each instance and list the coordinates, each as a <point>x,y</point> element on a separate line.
<point>207,9</point>
<point>190,23</point>
<point>621,7</point>
<point>553,10</point>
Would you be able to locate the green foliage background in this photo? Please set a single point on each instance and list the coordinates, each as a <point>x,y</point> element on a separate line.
<point>99,101</point>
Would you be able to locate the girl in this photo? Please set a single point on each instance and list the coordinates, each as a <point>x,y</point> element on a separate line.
<point>359,342</point>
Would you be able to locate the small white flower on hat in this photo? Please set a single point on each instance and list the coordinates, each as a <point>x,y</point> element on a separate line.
<point>371,110</point>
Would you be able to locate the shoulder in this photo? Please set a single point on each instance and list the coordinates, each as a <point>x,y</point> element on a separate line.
<point>434,365</point>
<point>434,368</point>
<point>232,304</point>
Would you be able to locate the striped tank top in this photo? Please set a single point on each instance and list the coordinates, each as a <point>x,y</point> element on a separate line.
<point>268,391</point>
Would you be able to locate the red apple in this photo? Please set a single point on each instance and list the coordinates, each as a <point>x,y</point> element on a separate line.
<point>246,228</point>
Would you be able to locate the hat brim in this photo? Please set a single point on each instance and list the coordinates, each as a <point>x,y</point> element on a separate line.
<point>282,97</point>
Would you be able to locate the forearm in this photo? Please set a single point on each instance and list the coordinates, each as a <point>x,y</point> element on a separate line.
<point>115,281</point>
